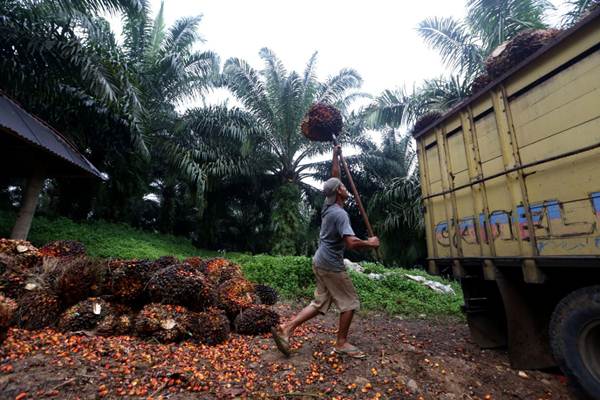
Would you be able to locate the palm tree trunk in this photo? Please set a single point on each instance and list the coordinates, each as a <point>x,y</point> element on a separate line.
<point>33,188</point>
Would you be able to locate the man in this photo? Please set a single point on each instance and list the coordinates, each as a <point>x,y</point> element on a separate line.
<point>332,281</point>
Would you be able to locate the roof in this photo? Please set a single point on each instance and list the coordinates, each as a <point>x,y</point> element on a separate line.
<point>27,139</point>
<point>592,18</point>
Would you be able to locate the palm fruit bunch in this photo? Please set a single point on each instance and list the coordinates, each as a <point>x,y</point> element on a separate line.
<point>165,261</point>
<point>63,248</point>
<point>7,310</point>
<point>37,309</point>
<point>255,320</point>
<point>23,253</point>
<point>127,278</point>
<point>209,327</point>
<point>480,82</point>
<point>322,122</point>
<point>73,278</point>
<point>181,284</point>
<point>236,295</point>
<point>219,270</point>
<point>425,121</point>
<point>18,258</point>
<point>195,262</point>
<point>520,47</point>
<point>119,321</point>
<point>164,322</point>
<point>266,294</point>
<point>84,315</point>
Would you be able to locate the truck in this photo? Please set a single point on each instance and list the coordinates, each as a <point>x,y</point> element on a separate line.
<point>510,184</point>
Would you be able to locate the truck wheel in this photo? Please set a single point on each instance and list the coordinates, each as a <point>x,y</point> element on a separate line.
<point>575,338</point>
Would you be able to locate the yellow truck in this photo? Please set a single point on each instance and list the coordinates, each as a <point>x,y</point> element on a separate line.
<point>510,182</point>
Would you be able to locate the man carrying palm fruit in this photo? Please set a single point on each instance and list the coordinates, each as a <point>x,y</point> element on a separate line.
<point>333,285</point>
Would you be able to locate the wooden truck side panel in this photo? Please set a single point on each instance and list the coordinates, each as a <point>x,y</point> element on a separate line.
<point>480,202</point>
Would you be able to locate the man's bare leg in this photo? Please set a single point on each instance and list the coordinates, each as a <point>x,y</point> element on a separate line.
<point>342,335</point>
<point>307,313</point>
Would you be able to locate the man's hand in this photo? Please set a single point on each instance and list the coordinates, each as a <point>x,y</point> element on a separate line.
<point>373,241</point>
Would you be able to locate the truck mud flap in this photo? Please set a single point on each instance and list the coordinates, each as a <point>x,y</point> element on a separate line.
<point>527,317</point>
<point>485,313</point>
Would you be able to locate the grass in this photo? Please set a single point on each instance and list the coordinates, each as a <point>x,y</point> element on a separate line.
<point>105,240</point>
<point>291,276</point>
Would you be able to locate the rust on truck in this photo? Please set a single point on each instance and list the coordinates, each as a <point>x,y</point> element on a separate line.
<point>510,182</point>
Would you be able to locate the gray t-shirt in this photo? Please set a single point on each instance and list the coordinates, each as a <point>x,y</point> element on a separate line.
<point>335,224</point>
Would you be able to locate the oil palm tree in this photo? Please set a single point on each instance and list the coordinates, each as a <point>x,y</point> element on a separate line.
<point>277,101</point>
<point>576,10</point>
<point>464,44</point>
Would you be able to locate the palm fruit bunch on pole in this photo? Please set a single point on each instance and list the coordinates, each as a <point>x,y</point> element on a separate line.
<point>119,321</point>
<point>426,120</point>
<point>219,270</point>
<point>181,284</point>
<point>255,320</point>
<point>38,309</point>
<point>127,279</point>
<point>209,327</point>
<point>84,315</point>
<point>322,122</point>
<point>63,248</point>
<point>236,295</point>
<point>164,322</point>
<point>266,294</point>
<point>520,47</point>
<point>7,310</point>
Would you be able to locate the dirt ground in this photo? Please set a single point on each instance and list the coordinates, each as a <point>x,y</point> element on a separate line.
<point>407,359</point>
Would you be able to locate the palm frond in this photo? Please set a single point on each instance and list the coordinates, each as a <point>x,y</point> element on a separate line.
<point>454,42</point>
<point>577,9</point>
<point>496,21</point>
<point>336,86</point>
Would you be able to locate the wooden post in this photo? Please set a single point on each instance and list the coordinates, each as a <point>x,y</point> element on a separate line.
<point>359,203</point>
<point>33,187</point>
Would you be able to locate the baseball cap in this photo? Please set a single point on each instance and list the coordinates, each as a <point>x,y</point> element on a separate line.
<point>330,190</point>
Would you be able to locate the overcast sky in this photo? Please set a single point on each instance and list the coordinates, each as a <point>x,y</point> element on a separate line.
<point>377,38</point>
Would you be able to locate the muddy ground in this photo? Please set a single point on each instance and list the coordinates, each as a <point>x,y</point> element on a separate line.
<point>407,359</point>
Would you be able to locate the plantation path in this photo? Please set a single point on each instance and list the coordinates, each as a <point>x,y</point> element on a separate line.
<point>408,359</point>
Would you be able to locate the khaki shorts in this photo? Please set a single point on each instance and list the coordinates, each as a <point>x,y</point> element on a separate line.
<point>334,287</point>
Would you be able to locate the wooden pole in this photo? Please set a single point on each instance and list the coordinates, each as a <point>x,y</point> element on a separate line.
<point>361,208</point>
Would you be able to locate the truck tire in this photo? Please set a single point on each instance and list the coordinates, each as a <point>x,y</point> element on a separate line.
<point>575,338</point>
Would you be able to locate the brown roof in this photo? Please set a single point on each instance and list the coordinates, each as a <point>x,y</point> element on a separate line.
<point>27,139</point>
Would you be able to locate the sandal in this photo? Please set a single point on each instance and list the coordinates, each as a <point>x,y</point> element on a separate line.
<point>353,352</point>
<point>281,341</point>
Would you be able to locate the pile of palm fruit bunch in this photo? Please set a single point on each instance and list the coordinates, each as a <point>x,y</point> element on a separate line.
<point>511,53</point>
<point>322,122</point>
<point>426,120</point>
<point>7,310</point>
<point>166,299</point>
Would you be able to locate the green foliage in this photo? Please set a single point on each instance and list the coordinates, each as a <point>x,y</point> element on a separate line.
<point>286,220</point>
<point>291,276</point>
<point>394,294</point>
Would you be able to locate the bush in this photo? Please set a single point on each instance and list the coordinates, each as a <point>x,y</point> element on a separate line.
<point>394,294</point>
